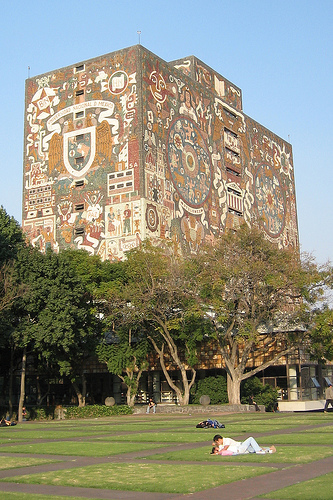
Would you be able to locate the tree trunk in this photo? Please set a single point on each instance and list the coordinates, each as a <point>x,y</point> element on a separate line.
<point>183,396</point>
<point>22,390</point>
<point>11,371</point>
<point>130,397</point>
<point>132,386</point>
<point>233,387</point>
<point>185,399</point>
<point>81,395</point>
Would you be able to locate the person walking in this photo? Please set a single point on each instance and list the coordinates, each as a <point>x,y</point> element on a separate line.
<point>329,397</point>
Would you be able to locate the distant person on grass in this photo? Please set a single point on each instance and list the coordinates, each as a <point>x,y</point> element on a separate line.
<point>151,406</point>
<point>250,445</point>
<point>4,422</point>
<point>329,397</point>
<point>253,403</point>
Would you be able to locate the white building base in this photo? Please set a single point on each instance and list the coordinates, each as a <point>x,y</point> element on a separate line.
<point>303,405</point>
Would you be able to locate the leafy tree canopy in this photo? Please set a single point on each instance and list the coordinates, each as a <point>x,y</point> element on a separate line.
<point>321,335</point>
<point>11,237</point>
<point>254,295</point>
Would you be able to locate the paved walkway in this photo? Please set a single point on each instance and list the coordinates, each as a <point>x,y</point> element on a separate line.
<point>286,475</point>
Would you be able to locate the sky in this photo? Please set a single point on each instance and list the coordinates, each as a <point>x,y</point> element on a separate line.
<point>280,53</point>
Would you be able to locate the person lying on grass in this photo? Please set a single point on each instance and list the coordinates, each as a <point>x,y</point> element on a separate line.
<point>5,422</point>
<point>250,445</point>
<point>216,451</point>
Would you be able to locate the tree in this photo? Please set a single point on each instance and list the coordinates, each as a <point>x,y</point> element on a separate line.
<point>126,357</point>
<point>125,346</point>
<point>254,296</point>
<point>10,290</point>
<point>58,317</point>
<point>157,289</point>
<point>11,237</point>
<point>320,343</point>
<point>214,387</point>
<point>262,394</point>
<point>12,241</point>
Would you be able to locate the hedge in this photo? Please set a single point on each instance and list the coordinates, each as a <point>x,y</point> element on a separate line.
<point>71,412</point>
<point>93,411</point>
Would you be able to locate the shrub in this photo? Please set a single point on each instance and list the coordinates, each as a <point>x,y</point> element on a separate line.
<point>262,394</point>
<point>40,413</point>
<point>214,387</point>
<point>94,411</point>
<point>71,412</point>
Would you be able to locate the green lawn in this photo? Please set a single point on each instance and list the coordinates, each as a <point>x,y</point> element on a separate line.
<point>153,436</point>
<point>83,449</point>
<point>145,477</point>
<point>319,488</point>
<point>35,496</point>
<point>14,462</point>
<point>179,436</point>
<point>284,454</point>
<point>307,438</point>
<point>11,439</point>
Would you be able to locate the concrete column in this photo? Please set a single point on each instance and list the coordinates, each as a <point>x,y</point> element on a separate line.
<point>313,390</point>
<point>157,387</point>
<point>292,379</point>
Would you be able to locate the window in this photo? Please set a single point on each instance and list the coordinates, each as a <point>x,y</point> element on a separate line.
<point>230,132</point>
<point>231,152</point>
<point>229,113</point>
<point>231,142</point>
<point>233,172</point>
<point>79,231</point>
<point>234,191</point>
<point>79,68</point>
<point>235,212</point>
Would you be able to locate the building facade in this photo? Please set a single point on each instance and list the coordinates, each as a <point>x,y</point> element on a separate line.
<point>126,146</point>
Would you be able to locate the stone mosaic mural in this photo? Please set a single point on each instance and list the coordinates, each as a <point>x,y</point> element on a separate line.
<point>212,166</point>
<point>126,146</point>
<point>81,171</point>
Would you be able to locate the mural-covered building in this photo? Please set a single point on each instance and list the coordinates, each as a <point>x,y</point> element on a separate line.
<point>126,146</point>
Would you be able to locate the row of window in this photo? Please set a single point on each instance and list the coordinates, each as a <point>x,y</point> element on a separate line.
<point>121,185</point>
<point>38,201</point>
<point>40,189</point>
<point>116,175</point>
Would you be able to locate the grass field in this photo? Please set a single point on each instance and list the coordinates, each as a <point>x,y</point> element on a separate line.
<point>161,453</point>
